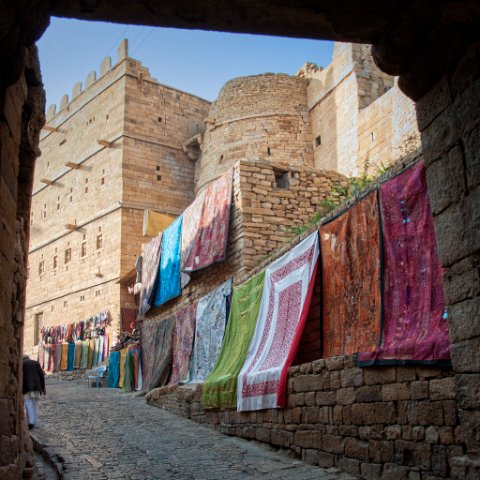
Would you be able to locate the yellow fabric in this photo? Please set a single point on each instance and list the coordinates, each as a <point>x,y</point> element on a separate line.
<point>123,355</point>
<point>91,348</point>
<point>64,360</point>
<point>155,222</point>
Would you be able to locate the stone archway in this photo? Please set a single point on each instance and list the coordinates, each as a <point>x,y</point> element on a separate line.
<point>432,45</point>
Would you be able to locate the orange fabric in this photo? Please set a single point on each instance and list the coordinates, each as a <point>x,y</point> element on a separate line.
<point>351,280</point>
<point>64,360</point>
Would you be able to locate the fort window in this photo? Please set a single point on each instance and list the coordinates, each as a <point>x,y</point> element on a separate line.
<point>52,308</point>
<point>63,142</point>
<point>372,136</point>
<point>318,141</point>
<point>58,206</point>
<point>220,159</point>
<point>65,303</point>
<point>41,267</point>
<point>158,168</point>
<point>107,117</point>
<point>160,119</point>
<point>84,249</point>
<point>68,255</point>
<point>99,241</point>
<point>86,189</point>
<point>82,298</point>
<point>159,178</point>
<point>281,178</point>
<point>268,151</point>
<point>86,180</point>
<point>97,293</point>
<point>55,262</point>
<point>71,199</point>
<point>102,182</point>
<point>37,323</point>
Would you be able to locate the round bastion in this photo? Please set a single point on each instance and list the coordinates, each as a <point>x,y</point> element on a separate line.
<point>262,117</point>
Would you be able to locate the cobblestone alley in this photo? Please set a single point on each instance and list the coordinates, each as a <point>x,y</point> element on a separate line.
<point>106,434</point>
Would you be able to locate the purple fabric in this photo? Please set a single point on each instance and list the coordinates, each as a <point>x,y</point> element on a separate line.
<point>415,327</point>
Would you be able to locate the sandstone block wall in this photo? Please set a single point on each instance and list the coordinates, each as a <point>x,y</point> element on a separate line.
<point>380,423</point>
<point>22,104</point>
<point>450,127</point>
<point>123,135</point>
<point>264,117</point>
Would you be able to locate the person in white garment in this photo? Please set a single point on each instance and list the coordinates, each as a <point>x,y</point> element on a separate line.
<point>33,387</point>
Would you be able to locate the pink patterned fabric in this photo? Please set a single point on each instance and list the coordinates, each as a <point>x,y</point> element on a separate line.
<point>182,343</point>
<point>210,237</point>
<point>282,315</point>
<point>415,325</point>
<point>151,261</point>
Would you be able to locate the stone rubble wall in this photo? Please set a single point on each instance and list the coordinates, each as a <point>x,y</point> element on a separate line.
<point>383,422</point>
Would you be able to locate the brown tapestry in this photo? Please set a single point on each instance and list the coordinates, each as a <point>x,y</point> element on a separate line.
<point>350,246</point>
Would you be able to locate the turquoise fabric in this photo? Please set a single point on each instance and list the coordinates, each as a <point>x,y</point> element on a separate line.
<point>169,270</point>
<point>71,356</point>
<point>113,369</point>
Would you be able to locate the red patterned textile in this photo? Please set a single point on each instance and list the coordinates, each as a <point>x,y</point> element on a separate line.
<point>415,327</point>
<point>129,318</point>
<point>283,311</point>
<point>183,336</point>
<point>210,239</point>
<point>350,246</point>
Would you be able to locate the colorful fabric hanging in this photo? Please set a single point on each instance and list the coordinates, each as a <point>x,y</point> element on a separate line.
<point>123,355</point>
<point>350,247</point>
<point>47,360</point>
<point>210,240</point>
<point>71,356</point>
<point>183,336</point>
<point>168,286</point>
<point>84,360</point>
<point>64,360</point>
<point>161,363</point>
<point>96,344</point>
<point>129,318</point>
<point>282,315</point>
<point>78,354</point>
<point>113,369</point>
<point>129,376</point>
<point>41,355</point>
<point>415,325</point>
<point>211,318</point>
<point>151,261</point>
<point>91,348</point>
<point>220,388</point>
<point>101,339</point>
<point>190,230</point>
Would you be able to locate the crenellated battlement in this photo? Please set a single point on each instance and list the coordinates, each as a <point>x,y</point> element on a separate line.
<point>79,88</point>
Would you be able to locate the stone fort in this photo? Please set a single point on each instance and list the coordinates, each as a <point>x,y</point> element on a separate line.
<point>124,145</point>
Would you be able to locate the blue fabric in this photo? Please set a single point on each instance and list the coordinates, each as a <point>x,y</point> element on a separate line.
<point>71,356</point>
<point>169,278</point>
<point>113,369</point>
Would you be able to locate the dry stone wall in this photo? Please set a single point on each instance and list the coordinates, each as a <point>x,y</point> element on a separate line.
<point>380,423</point>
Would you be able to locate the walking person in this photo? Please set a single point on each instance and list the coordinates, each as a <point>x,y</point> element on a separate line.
<point>33,387</point>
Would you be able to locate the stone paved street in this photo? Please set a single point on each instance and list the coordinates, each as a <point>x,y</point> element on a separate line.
<point>106,434</point>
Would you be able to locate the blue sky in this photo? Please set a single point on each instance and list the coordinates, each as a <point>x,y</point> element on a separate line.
<point>195,61</point>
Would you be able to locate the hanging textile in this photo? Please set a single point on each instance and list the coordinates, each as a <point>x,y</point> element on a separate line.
<point>220,388</point>
<point>211,318</point>
<point>183,336</point>
<point>129,376</point>
<point>106,344</point>
<point>101,339</point>
<point>41,355</point>
<point>47,357</point>
<point>136,365</point>
<point>71,356</point>
<point>84,360</point>
<point>129,318</point>
<point>96,344</point>
<point>78,354</point>
<point>190,230</point>
<point>169,283</point>
<point>162,358</point>
<point>147,342</point>
<point>54,353</point>
<point>123,355</point>
<point>139,384</point>
<point>282,315</point>
<point>350,247</point>
<point>113,369</point>
<point>91,348</point>
<point>210,241</point>
<point>64,361</point>
<point>151,261</point>
<point>415,326</point>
